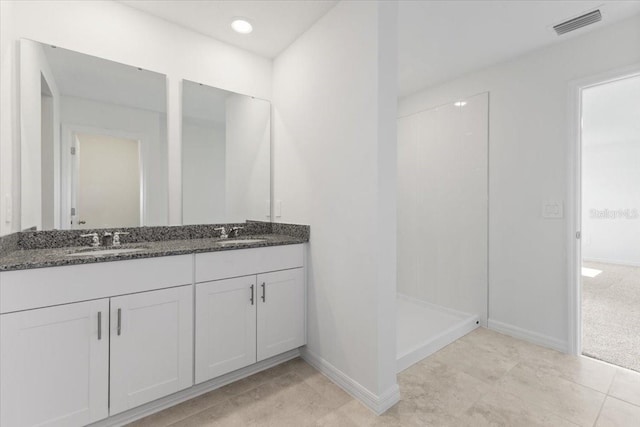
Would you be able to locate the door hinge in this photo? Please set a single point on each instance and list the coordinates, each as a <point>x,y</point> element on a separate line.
<point>73,151</point>
<point>73,211</point>
<point>578,235</point>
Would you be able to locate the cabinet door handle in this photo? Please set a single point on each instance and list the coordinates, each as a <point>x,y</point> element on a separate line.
<point>251,294</point>
<point>264,299</point>
<point>99,325</point>
<point>119,328</point>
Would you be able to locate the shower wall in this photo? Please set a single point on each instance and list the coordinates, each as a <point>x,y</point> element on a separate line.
<point>443,205</point>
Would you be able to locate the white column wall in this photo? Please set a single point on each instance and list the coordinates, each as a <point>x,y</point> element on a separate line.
<point>335,169</point>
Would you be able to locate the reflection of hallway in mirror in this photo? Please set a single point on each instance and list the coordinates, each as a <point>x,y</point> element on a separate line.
<point>107,182</point>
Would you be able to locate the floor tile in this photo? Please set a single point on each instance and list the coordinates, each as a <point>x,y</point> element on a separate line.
<point>617,413</point>
<point>477,361</point>
<point>503,409</point>
<point>626,386</point>
<point>556,395</point>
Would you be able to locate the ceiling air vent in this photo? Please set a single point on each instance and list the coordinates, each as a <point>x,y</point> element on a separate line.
<point>579,22</point>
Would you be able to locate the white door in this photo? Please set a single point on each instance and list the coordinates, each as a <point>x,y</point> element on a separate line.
<point>106,182</point>
<point>225,326</point>
<point>281,312</point>
<point>54,365</point>
<point>151,346</point>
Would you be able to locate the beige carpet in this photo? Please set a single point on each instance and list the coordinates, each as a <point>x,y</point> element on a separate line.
<point>611,314</point>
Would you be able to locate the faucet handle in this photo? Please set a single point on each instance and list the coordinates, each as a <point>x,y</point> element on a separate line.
<point>116,237</point>
<point>223,232</point>
<point>95,240</point>
<point>235,231</point>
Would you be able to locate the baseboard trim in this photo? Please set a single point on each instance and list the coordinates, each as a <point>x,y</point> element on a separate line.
<point>377,403</point>
<point>440,341</point>
<point>533,337</point>
<point>193,391</point>
<point>612,261</point>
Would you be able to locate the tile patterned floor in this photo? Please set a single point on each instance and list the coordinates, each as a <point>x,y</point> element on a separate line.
<point>483,379</point>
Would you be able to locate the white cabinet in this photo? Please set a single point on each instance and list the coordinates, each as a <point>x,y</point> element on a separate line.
<point>225,326</point>
<point>247,319</point>
<point>151,346</point>
<point>281,312</point>
<point>54,365</point>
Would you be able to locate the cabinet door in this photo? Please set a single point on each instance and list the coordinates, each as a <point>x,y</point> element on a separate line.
<point>54,365</point>
<point>151,346</point>
<point>281,312</point>
<point>225,326</point>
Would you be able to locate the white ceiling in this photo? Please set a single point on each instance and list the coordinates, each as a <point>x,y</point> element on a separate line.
<point>438,40</point>
<point>442,40</point>
<point>89,77</point>
<point>611,113</point>
<point>276,23</point>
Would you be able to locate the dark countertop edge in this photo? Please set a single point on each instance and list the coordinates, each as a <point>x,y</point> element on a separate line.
<point>31,265</point>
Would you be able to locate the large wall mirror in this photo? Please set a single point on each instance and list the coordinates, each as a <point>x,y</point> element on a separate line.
<point>93,142</point>
<point>226,156</point>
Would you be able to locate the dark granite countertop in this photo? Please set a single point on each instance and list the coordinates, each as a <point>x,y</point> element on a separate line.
<point>23,259</point>
<point>38,249</point>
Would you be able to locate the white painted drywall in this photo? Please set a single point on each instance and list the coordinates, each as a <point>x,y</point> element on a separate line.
<point>203,172</point>
<point>148,125</point>
<point>442,205</point>
<point>527,164</point>
<point>611,202</point>
<point>335,169</point>
<point>248,158</point>
<point>119,33</point>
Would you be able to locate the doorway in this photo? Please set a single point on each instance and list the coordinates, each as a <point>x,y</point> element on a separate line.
<point>106,181</point>
<point>608,214</point>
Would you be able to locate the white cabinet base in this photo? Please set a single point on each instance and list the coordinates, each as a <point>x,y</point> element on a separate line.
<point>54,365</point>
<point>225,326</point>
<point>281,312</point>
<point>151,346</point>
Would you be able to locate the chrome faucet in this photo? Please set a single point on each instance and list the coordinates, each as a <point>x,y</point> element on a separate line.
<point>235,231</point>
<point>116,237</point>
<point>223,232</point>
<point>95,240</point>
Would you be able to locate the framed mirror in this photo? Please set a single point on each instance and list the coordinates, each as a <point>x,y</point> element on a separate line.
<point>226,156</point>
<point>93,141</point>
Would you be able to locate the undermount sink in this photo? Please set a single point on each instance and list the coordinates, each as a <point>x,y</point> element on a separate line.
<point>92,252</point>
<point>240,241</point>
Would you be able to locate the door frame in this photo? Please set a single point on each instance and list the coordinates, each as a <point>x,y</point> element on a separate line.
<point>574,197</point>
<point>68,167</point>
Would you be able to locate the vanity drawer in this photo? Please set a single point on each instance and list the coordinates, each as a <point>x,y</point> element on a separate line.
<point>244,262</point>
<point>41,287</point>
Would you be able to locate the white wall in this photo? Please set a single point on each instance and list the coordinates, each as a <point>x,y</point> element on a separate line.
<point>147,125</point>
<point>442,205</point>
<point>248,158</point>
<point>116,32</point>
<point>611,182</point>
<point>33,69</point>
<point>527,164</point>
<point>335,169</point>
<point>203,172</point>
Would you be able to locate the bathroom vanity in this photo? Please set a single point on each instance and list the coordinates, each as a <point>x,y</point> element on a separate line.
<point>84,340</point>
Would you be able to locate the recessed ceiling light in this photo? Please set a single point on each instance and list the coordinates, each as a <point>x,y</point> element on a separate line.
<point>241,25</point>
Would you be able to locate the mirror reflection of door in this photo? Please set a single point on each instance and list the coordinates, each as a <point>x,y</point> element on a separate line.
<point>106,183</point>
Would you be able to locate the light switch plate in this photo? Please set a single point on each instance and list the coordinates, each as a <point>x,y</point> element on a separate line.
<point>552,209</point>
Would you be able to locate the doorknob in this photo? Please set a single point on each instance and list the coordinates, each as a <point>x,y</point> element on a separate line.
<point>82,222</point>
